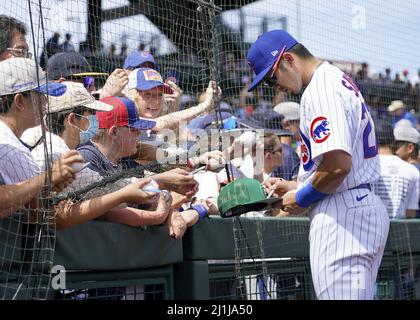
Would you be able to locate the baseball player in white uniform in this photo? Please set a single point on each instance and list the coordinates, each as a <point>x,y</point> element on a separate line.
<point>339,161</point>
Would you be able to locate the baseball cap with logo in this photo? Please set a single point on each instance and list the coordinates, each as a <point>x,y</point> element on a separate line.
<point>144,79</point>
<point>66,64</point>
<point>22,74</point>
<point>266,51</point>
<point>407,134</point>
<point>244,195</point>
<point>135,59</point>
<point>123,114</point>
<point>76,95</point>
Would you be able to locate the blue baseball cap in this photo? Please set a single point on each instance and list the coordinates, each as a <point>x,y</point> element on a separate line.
<point>123,114</point>
<point>136,58</point>
<point>144,79</point>
<point>267,50</point>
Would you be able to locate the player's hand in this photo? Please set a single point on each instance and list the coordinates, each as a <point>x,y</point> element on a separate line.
<point>279,185</point>
<point>115,83</point>
<point>63,171</point>
<point>133,193</point>
<point>176,224</point>
<point>212,91</point>
<point>289,204</point>
<point>173,100</point>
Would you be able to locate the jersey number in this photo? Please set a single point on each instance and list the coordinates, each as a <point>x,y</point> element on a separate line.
<point>368,151</point>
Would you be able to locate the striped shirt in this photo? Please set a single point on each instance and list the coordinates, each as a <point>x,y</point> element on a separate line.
<point>333,116</point>
<point>398,186</point>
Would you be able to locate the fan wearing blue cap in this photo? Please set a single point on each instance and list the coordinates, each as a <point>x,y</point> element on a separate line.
<point>140,59</point>
<point>147,88</point>
<point>339,162</point>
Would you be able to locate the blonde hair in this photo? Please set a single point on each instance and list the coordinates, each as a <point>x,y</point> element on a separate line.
<point>133,94</point>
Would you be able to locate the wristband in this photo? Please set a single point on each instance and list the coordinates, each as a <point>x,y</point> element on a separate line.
<point>202,211</point>
<point>308,195</point>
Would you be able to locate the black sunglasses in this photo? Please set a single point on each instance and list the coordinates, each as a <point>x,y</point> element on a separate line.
<point>270,81</point>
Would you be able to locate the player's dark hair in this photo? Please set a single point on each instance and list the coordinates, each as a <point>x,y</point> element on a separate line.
<point>7,26</point>
<point>301,51</point>
<point>55,120</point>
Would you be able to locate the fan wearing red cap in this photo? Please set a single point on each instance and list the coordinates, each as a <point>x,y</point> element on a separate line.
<point>117,135</point>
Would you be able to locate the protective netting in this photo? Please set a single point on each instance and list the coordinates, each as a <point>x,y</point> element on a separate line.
<point>193,42</point>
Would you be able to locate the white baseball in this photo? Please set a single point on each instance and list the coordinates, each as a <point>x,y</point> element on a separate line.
<point>77,166</point>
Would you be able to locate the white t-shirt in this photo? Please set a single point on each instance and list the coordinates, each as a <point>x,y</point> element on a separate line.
<point>334,117</point>
<point>398,186</point>
<point>56,146</point>
<point>16,161</point>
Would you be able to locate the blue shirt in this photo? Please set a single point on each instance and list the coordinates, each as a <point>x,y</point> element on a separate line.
<point>408,116</point>
<point>100,163</point>
<point>290,167</point>
<point>202,122</point>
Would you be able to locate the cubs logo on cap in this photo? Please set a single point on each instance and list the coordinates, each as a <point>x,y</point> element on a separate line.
<point>320,130</point>
<point>305,152</point>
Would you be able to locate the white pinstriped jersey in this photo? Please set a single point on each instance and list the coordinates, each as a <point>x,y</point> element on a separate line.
<point>398,186</point>
<point>334,117</point>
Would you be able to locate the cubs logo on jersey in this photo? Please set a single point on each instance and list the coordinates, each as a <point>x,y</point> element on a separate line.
<point>305,152</point>
<point>320,130</point>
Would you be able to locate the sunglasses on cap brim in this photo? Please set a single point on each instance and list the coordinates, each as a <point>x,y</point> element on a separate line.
<point>270,80</point>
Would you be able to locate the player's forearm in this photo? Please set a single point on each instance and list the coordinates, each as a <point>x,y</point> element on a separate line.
<point>171,121</point>
<point>332,171</point>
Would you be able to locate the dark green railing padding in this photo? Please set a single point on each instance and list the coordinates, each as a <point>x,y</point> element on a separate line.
<point>100,245</point>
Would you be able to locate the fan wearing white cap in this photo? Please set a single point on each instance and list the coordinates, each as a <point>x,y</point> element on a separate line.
<point>70,120</point>
<point>22,100</point>
<point>291,119</point>
<point>407,140</point>
<point>398,112</point>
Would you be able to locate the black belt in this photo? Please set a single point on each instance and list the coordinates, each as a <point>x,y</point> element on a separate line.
<point>363,186</point>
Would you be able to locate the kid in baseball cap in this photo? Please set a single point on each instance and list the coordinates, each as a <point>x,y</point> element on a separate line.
<point>124,114</point>
<point>139,59</point>
<point>144,79</point>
